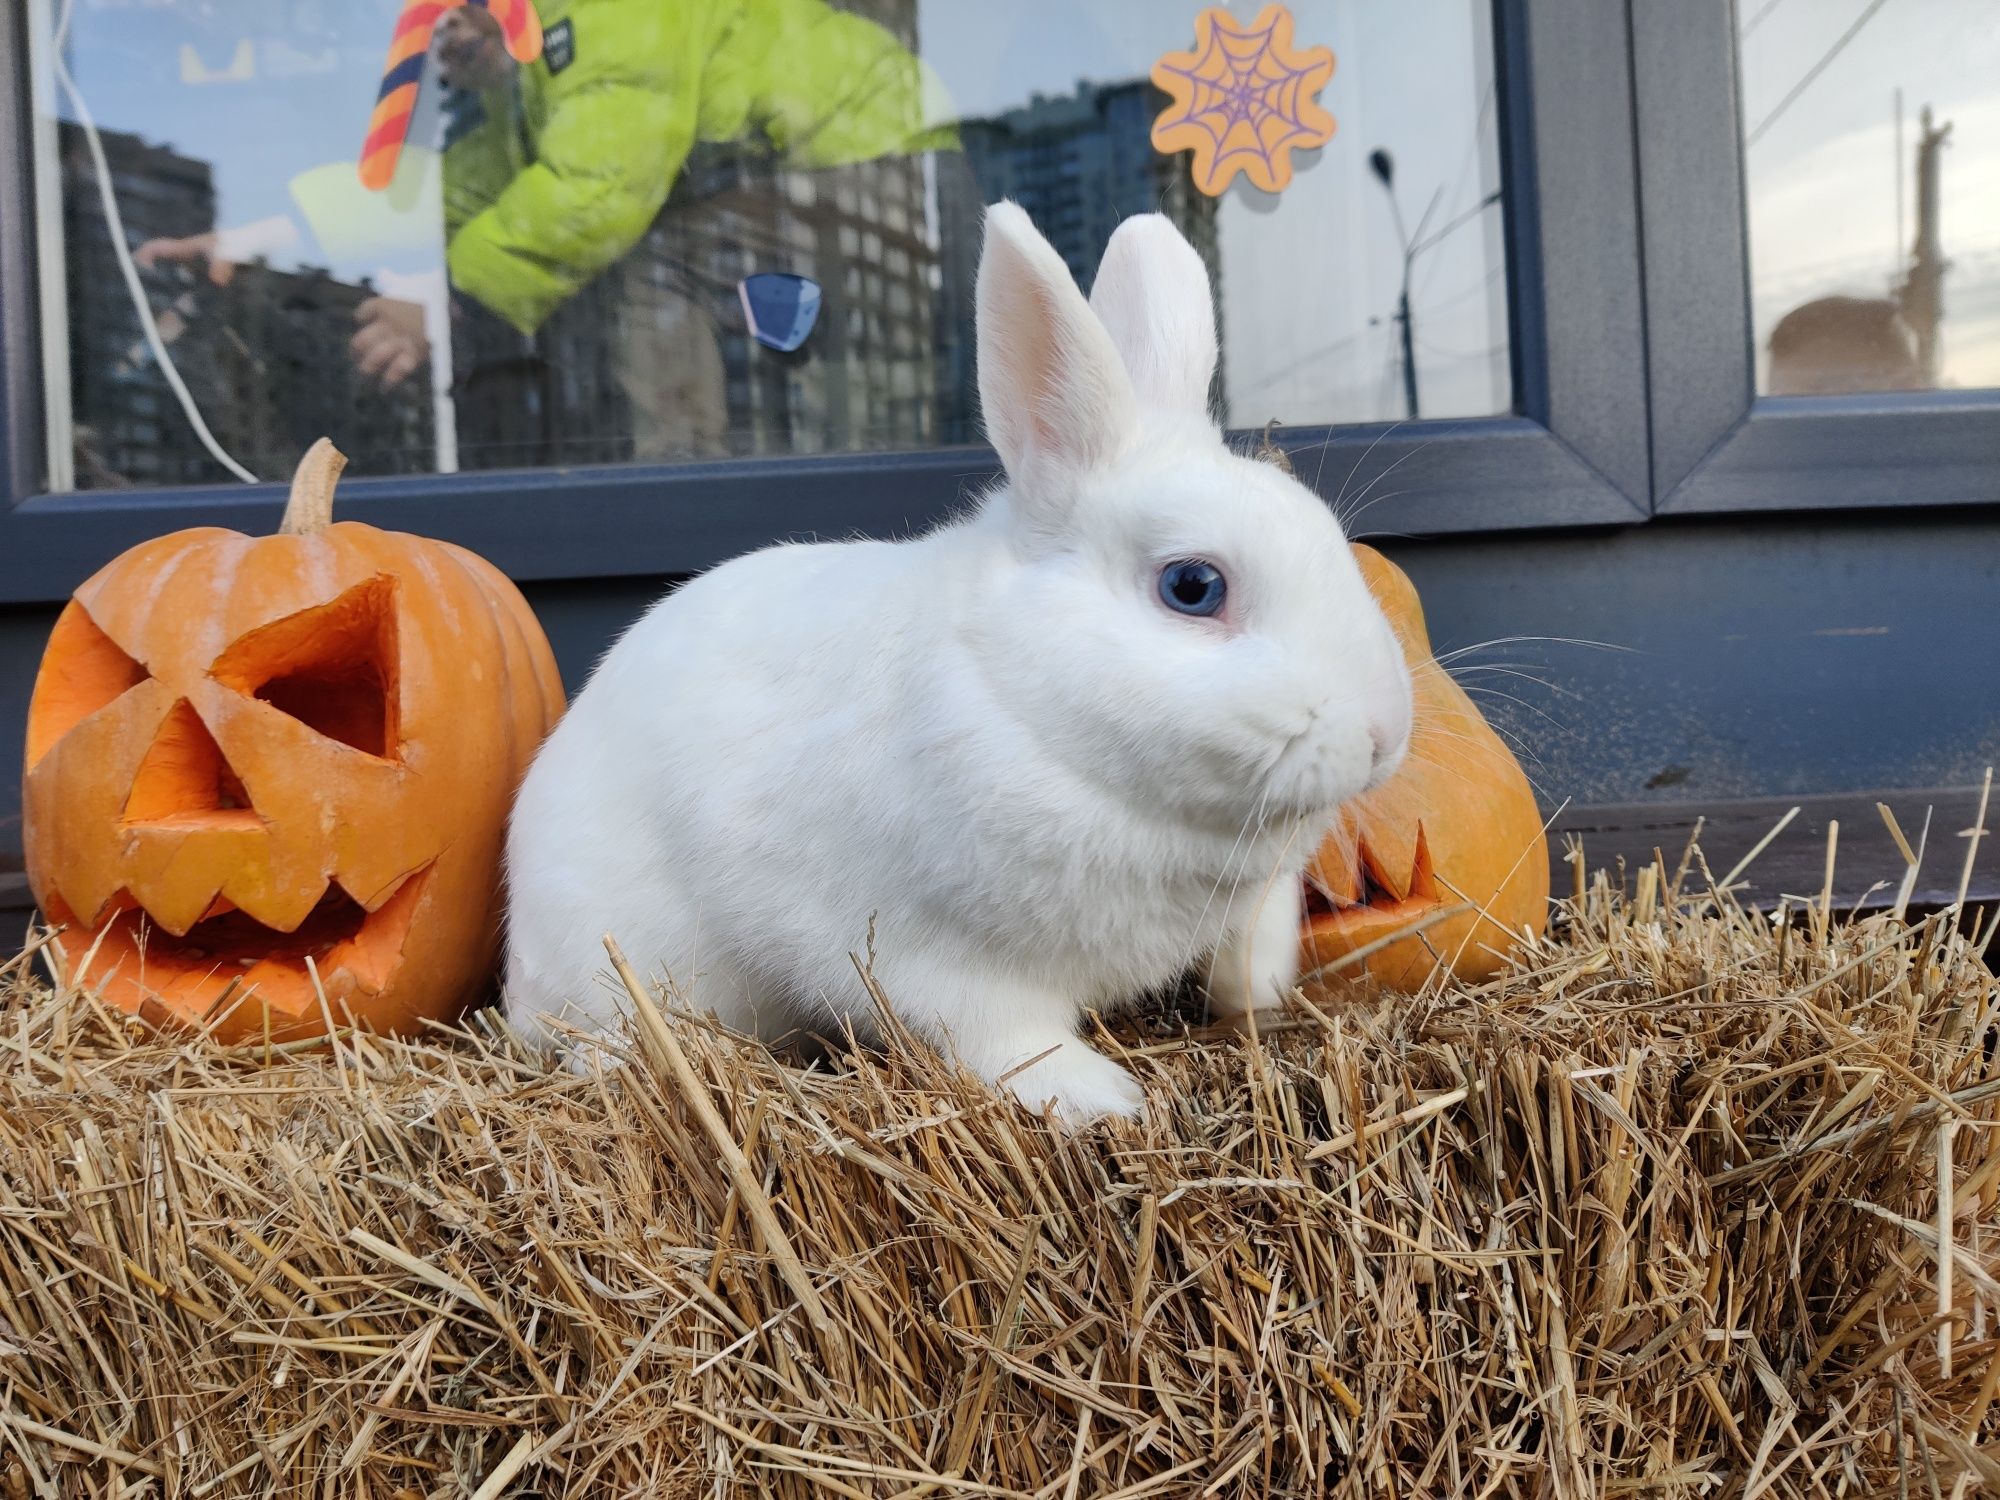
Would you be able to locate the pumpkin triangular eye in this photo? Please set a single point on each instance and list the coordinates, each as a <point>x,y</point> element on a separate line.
<point>331,667</point>
<point>184,777</point>
<point>83,671</point>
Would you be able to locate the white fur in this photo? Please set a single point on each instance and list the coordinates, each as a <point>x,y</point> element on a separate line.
<point>1152,296</point>
<point>1045,791</point>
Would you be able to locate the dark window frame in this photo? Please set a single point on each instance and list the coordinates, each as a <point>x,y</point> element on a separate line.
<point>1718,446</point>
<point>1575,454</point>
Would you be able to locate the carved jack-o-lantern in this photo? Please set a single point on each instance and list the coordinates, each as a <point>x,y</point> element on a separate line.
<point>247,753</point>
<point>1458,823</point>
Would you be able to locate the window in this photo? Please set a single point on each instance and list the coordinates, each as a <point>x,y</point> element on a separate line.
<point>1507,170</point>
<point>1872,163</point>
<point>1805,352</point>
<point>539,285</point>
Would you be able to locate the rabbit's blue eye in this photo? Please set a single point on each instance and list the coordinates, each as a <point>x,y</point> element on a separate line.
<point>1193,587</point>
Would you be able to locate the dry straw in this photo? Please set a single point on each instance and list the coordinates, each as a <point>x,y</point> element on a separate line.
<point>1656,1214</point>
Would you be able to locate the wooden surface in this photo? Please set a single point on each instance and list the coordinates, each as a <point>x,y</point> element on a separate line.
<point>1867,866</point>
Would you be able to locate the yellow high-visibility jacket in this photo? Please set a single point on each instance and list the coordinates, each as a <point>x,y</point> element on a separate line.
<point>568,167</point>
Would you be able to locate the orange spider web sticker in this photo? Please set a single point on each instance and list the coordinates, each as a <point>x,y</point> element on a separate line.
<point>1243,100</point>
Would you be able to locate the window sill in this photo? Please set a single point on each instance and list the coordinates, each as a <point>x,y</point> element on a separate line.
<point>629,520</point>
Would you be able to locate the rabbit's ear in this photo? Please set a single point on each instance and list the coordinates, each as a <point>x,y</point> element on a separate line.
<point>1056,399</point>
<point>1153,298</point>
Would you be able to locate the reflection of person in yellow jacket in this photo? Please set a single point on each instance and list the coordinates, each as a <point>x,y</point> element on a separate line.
<point>565,163</point>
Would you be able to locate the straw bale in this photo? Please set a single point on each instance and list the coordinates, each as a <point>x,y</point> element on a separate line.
<point>1656,1213</point>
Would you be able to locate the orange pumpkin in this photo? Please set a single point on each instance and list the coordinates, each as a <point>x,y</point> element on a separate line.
<point>1457,823</point>
<point>260,770</point>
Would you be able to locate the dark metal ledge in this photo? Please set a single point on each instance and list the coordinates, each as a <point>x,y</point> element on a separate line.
<point>1435,478</point>
<point>1851,452</point>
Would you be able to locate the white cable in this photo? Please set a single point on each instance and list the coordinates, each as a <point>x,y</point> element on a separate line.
<point>50,265</point>
<point>116,224</point>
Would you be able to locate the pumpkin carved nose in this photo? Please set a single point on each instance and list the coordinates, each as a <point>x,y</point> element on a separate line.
<point>185,781</point>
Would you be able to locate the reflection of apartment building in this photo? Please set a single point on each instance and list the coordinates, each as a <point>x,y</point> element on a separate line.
<point>128,429</point>
<point>1079,163</point>
<point>266,358</point>
<point>866,378</point>
<point>279,351</point>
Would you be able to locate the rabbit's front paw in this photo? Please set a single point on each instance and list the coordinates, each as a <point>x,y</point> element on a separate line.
<point>1082,1084</point>
<point>1258,964</point>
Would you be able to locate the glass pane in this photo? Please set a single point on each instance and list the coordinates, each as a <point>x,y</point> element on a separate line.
<point>1872,163</point>
<point>708,228</point>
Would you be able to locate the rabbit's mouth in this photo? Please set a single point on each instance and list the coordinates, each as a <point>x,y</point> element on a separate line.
<point>1309,782</point>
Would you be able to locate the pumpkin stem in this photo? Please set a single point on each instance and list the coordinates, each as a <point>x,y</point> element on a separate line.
<point>310,508</point>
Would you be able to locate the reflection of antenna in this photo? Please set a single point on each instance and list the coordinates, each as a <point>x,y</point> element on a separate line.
<point>1922,292</point>
<point>1900,241</point>
<point>1383,165</point>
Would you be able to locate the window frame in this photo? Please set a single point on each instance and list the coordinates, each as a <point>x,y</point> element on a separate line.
<point>1719,447</point>
<point>1575,453</point>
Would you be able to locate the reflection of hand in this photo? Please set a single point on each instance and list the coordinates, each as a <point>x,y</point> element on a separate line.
<point>195,247</point>
<point>390,343</point>
<point>471,50</point>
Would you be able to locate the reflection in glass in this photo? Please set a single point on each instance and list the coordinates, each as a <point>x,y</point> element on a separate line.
<point>780,309</point>
<point>702,228</point>
<point>1872,163</point>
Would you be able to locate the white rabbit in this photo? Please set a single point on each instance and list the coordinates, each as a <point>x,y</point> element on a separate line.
<point>1054,752</point>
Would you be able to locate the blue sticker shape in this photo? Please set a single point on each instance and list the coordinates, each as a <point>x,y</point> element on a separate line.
<point>780,308</point>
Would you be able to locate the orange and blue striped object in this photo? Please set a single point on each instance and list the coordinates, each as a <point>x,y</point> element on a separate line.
<point>396,101</point>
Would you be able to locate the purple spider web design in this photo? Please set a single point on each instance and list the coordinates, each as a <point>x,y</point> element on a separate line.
<point>1255,88</point>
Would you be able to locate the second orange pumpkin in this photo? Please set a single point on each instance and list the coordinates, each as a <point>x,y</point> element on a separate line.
<point>1457,823</point>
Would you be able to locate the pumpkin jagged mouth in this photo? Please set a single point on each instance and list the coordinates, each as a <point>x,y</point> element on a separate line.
<point>229,957</point>
<point>1370,889</point>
